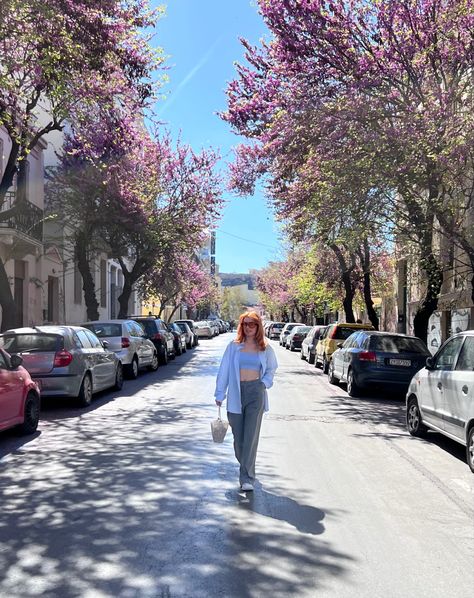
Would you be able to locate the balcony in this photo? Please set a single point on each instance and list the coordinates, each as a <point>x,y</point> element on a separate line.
<point>24,229</point>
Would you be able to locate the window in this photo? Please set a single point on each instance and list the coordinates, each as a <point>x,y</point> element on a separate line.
<point>103,283</point>
<point>77,285</point>
<point>447,355</point>
<point>104,330</point>
<point>95,342</point>
<point>3,362</point>
<point>466,357</point>
<point>85,342</point>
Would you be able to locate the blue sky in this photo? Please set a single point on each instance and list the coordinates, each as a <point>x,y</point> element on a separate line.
<point>201,38</point>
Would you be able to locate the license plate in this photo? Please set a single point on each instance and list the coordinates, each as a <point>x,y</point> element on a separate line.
<point>406,363</point>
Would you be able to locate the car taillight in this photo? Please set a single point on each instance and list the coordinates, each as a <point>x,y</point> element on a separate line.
<point>157,337</point>
<point>367,356</point>
<point>62,359</point>
<point>125,342</point>
<point>296,336</point>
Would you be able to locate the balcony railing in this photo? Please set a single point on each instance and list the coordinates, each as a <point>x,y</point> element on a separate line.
<point>28,219</point>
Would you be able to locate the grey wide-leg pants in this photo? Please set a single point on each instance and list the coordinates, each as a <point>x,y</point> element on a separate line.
<point>246,427</point>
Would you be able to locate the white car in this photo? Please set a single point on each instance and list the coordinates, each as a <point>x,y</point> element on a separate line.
<point>441,395</point>
<point>204,330</point>
<point>128,339</point>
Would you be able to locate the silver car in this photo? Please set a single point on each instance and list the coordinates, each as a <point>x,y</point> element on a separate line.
<point>67,361</point>
<point>128,339</point>
<point>188,332</point>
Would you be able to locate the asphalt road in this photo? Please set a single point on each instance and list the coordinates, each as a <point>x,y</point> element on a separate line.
<point>130,498</point>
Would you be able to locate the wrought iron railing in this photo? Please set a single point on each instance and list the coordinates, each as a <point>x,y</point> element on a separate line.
<point>28,219</point>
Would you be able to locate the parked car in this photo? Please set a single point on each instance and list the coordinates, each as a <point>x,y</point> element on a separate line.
<point>296,337</point>
<point>188,333</point>
<point>67,361</point>
<point>204,329</point>
<point>334,334</point>
<point>179,338</point>
<point>129,342</point>
<point>191,324</point>
<point>158,333</point>
<point>275,328</point>
<point>370,358</point>
<point>441,395</point>
<point>285,331</point>
<point>308,346</point>
<point>19,395</point>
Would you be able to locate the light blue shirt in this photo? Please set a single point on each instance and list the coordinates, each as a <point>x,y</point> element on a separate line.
<point>228,376</point>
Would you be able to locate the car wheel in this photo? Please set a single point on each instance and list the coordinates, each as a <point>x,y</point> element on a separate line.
<point>302,354</point>
<point>132,368</point>
<point>414,422</point>
<point>31,415</point>
<point>189,345</point>
<point>310,358</point>
<point>85,394</point>
<point>470,448</point>
<point>179,350</point>
<point>325,365</point>
<point>154,363</point>
<point>353,390</point>
<point>164,356</point>
<point>119,377</point>
<point>331,377</point>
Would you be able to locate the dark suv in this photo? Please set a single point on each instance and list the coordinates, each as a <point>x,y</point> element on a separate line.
<point>159,334</point>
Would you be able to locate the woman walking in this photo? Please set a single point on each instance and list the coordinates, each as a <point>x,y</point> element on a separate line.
<point>246,371</point>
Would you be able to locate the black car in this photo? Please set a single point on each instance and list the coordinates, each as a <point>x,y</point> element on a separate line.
<point>385,359</point>
<point>179,338</point>
<point>159,334</point>
<point>190,323</point>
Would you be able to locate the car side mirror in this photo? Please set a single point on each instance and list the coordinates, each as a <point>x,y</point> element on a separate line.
<point>430,363</point>
<point>105,344</point>
<point>16,361</point>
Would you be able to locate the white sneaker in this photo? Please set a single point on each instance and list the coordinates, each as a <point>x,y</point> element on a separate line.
<point>247,487</point>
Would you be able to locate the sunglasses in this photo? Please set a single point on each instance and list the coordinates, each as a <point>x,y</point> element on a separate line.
<point>251,324</point>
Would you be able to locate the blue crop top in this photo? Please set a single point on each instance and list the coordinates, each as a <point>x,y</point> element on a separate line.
<point>249,361</point>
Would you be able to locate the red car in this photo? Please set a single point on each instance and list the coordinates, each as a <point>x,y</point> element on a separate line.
<point>19,395</point>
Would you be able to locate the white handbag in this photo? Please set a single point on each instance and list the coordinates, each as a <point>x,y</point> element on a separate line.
<point>219,427</point>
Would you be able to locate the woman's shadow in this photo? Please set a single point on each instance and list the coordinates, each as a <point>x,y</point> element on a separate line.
<point>304,518</point>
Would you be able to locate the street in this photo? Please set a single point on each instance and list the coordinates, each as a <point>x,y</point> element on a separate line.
<point>131,498</point>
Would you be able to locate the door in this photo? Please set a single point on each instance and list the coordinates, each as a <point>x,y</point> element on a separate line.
<point>87,357</point>
<point>104,363</point>
<point>459,395</point>
<point>434,383</point>
<point>11,391</point>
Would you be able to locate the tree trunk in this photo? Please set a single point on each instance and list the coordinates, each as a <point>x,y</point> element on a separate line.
<point>346,278</point>
<point>172,313</point>
<point>6,301</point>
<point>429,303</point>
<point>364,257</point>
<point>88,284</point>
<point>124,297</point>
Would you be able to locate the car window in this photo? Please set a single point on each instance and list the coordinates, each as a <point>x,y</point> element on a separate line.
<point>350,342</point>
<point>343,332</point>
<point>466,357</point>
<point>20,343</point>
<point>84,339</point>
<point>447,355</point>
<point>398,344</point>
<point>94,341</point>
<point>104,330</point>
<point>3,362</point>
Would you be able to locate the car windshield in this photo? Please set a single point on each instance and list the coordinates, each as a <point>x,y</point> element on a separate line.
<point>398,344</point>
<point>148,325</point>
<point>278,325</point>
<point>344,332</point>
<point>105,330</point>
<point>302,329</point>
<point>31,342</point>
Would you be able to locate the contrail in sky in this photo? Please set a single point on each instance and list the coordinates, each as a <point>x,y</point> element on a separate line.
<point>190,75</point>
